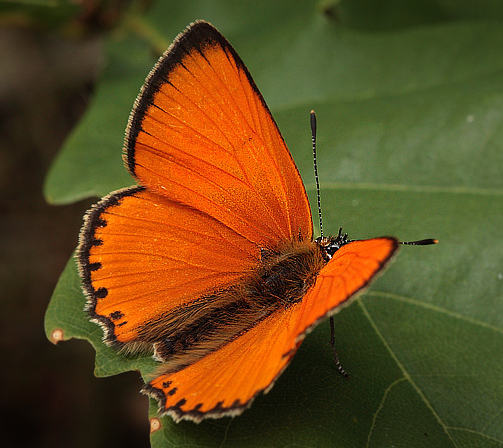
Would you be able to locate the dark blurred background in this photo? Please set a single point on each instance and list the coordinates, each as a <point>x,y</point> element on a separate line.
<point>49,396</point>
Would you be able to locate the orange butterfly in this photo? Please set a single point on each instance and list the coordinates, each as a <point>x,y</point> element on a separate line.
<point>210,264</point>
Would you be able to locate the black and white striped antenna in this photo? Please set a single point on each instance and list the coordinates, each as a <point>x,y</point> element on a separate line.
<point>313,140</point>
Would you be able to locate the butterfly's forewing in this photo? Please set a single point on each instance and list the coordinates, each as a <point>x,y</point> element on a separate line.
<point>351,269</point>
<point>226,381</point>
<point>201,133</point>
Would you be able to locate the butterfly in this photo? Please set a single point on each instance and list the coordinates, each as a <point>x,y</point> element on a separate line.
<point>210,263</point>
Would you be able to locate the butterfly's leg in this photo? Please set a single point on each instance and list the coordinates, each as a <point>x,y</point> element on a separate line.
<point>332,343</point>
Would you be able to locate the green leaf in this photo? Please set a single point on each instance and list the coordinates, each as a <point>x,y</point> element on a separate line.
<point>410,144</point>
<point>387,14</point>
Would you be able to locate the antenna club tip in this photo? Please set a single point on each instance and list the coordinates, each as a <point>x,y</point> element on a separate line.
<point>313,112</point>
<point>425,242</point>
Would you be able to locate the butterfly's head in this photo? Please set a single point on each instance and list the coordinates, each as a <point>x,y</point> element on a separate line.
<point>332,244</point>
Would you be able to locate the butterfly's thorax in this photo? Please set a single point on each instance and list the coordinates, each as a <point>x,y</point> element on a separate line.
<point>285,275</point>
<point>282,278</point>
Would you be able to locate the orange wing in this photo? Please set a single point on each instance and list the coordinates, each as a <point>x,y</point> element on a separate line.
<point>351,268</point>
<point>142,255</point>
<point>213,386</point>
<point>220,185</point>
<point>201,133</point>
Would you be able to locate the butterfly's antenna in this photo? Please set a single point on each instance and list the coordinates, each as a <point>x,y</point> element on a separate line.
<point>332,323</point>
<point>420,242</point>
<point>313,139</point>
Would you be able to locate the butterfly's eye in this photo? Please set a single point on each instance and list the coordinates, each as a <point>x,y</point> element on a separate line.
<point>332,244</point>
